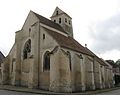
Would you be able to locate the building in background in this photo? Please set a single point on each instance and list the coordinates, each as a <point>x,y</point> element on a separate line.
<point>116,72</point>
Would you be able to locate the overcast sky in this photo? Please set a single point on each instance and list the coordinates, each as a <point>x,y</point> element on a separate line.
<point>95,22</point>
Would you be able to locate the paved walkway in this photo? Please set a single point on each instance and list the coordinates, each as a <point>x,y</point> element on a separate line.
<point>115,92</point>
<point>5,92</point>
<point>43,92</point>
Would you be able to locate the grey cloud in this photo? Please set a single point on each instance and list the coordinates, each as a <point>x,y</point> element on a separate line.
<point>107,35</point>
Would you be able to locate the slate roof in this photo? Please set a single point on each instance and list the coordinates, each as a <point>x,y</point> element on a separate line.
<point>49,23</point>
<point>1,57</point>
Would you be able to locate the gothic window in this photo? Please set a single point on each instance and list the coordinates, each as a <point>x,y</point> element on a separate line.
<point>46,63</point>
<point>59,20</point>
<point>69,55</point>
<point>27,49</point>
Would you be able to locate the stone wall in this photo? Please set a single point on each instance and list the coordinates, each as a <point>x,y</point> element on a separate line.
<point>89,76</point>
<point>5,71</point>
<point>97,76</point>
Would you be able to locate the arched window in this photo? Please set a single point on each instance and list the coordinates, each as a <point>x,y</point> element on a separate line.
<point>27,49</point>
<point>46,62</point>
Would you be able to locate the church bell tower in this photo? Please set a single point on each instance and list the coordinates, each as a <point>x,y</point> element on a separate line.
<point>64,20</point>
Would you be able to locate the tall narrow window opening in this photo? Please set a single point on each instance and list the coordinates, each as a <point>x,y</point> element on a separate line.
<point>43,36</point>
<point>56,12</point>
<point>66,20</point>
<point>46,63</point>
<point>59,20</point>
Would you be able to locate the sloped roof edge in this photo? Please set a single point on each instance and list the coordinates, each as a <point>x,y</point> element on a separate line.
<point>49,23</point>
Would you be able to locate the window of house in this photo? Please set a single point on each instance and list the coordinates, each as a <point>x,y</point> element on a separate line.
<point>69,21</point>
<point>43,36</point>
<point>54,20</point>
<point>59,20</point>
<point>66,20</point>
<point>46,63</point>
<point>81,56</point>
<point>69,55</point>
<point>27,49</point>
<point>56,12</point>
<point>29,29</point>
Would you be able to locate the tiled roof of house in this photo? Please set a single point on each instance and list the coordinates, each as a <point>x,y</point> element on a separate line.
<point>96,57</point>
<point>68,42</point>
<point>1,57</point>
<point>49,23</point>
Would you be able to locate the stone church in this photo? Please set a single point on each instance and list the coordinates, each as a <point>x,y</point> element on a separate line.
<point>46,56</point>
